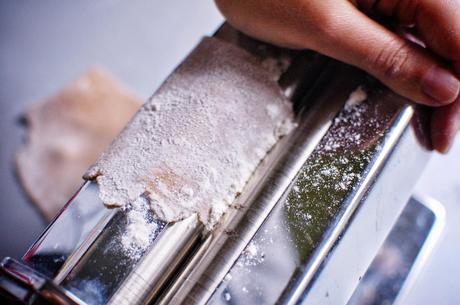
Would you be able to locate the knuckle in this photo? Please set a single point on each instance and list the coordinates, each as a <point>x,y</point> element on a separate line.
<point>327,25</point>
<point>391,59</point>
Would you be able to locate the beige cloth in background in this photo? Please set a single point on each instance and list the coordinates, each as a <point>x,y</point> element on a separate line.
<point>67,132</point>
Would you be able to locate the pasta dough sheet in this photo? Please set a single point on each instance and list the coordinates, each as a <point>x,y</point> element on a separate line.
<point>195,143</point>
<point>67,132</point>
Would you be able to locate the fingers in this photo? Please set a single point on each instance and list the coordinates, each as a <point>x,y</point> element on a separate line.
<point>405,67</point>
<point>438,25</point>
<point>437,22</point>
<point>286,23</point>
<point>338,29</point>
<point>431,19</point>
<point>445,123</point>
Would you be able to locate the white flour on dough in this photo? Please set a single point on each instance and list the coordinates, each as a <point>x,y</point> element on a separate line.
<point>193,146</point>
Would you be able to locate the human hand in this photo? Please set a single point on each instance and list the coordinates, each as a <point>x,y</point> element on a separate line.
<point>426,72</point>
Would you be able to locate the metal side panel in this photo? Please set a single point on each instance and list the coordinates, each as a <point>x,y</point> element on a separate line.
<point>288,258</point>
<point>403,254</point>
<point>265,190</point>
<point>378,212</point>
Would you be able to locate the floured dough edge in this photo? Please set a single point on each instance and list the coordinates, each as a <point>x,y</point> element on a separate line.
<point>195,143</point>
<point>66,132</point>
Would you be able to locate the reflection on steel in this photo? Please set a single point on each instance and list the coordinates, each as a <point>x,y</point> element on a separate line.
<point>299,284</point>
<point>403,253</point>
<point>269,185</point>
<point>82,220</point>
<point>159,263</point>
<point>370,224</point>
<point>30,286</point>
<point>428,246</point>
<point>315,215</point>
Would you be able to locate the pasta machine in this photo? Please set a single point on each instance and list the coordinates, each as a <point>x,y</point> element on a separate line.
<point>327,218</point>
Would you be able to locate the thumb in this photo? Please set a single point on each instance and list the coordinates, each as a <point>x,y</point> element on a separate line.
<point>405,67</point>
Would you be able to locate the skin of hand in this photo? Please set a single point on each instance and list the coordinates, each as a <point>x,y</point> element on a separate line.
<point>426,72</point>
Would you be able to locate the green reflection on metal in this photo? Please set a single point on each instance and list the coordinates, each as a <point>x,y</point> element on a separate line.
<point>319,192</point>
<point>334,171</point>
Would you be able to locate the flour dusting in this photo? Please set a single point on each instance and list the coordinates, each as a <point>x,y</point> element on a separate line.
<point>141,228</point>
<point>356,97</point>
<point>193,146</point>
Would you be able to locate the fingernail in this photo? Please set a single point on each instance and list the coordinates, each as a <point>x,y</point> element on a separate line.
<point>449,146</point>
<point>446,148</point>
<point>441,85</point>
<point>443,141</point>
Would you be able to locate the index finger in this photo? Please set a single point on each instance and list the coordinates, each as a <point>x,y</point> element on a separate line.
<point>437,22</point>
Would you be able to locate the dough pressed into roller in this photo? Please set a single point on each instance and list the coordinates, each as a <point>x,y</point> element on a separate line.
<point>195,143</point>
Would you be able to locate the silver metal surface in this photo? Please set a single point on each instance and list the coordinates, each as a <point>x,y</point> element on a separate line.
<point>269,184</point>
<point>285,262</point>
<point>84,266</point>
<point>105,216</point>
<point>82,219</point>
<point>405,250</point>
<point>159,263</point>
<point>271,178</point>
<point>394,134</point>
<point>30,286</point>
<point>371,223</point>
<point>103,268</point>
<point>438,283</point>
<point>430,244</point>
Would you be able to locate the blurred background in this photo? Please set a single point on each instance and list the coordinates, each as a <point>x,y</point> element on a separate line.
<point>46,44</point>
